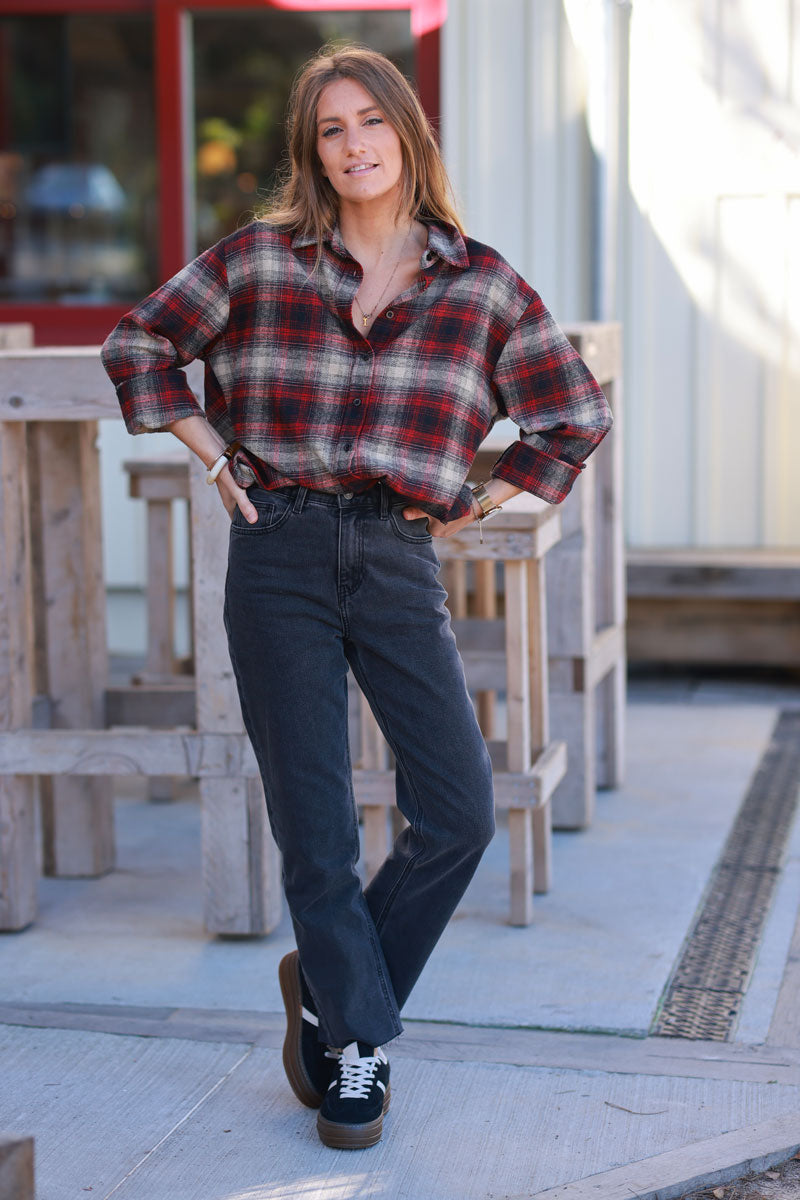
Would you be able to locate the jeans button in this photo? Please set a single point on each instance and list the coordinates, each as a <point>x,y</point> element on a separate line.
<point>348,495</point>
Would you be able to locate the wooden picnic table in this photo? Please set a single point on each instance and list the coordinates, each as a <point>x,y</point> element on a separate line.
<point>53,659</point>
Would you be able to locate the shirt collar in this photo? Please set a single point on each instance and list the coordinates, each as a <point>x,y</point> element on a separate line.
<point>444,241</point>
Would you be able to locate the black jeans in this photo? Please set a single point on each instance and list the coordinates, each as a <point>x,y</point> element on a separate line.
<point>320,582</point>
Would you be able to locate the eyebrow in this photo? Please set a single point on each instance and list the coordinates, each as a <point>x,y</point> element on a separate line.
<point>360,113</point>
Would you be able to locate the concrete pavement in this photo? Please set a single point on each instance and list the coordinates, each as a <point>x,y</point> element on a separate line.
<point>144,1057</point>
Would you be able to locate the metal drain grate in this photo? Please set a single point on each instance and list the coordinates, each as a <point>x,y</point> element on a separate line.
<point>707,988</point>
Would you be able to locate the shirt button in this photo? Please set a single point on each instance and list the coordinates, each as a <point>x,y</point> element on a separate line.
<point>357,401</point>
<point>366,356</point>
<point>390,313</point>
<point>347,446</point>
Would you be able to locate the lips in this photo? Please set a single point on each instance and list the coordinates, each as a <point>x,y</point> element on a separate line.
<point>360,168</point>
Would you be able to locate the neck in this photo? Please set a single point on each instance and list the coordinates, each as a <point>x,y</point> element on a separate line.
<point>371,233</point>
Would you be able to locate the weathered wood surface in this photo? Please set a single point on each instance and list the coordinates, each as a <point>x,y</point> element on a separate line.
<point>18,859</point>
<point>714,630</point>
<point>586,589</point>
<point>241,866</point>
<point>16,1167</point>
<point>158,483</point>
<point>69,618</point>
<point>159,705</point>
<point>706,573</point>
<point>63,383</point>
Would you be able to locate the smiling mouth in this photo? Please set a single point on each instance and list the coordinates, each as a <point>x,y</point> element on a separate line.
<point>360,168</point>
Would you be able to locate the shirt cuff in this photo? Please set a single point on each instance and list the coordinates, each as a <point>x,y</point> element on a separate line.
<point>151,402</point>
<point>534,471</point>
<point>461,506</point>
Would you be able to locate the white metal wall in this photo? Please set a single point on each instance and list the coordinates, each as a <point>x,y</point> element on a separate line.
<point>516,145</point>
<point>712,288</point>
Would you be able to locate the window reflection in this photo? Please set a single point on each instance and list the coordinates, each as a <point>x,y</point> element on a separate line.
<point>77,158</point>
<point>244,64</point>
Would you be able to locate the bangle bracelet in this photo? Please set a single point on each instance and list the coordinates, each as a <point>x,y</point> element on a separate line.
<point>218,465</point>
<point>216,468</point>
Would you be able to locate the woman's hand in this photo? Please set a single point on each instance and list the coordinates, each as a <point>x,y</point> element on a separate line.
<point>234,497</point>
<point>441,528</point>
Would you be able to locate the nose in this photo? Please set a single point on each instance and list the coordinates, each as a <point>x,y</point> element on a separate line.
<point>354,142</point>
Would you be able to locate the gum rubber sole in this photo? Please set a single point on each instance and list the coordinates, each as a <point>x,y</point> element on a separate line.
<point>340,1136</point>
<point>301,1085</point>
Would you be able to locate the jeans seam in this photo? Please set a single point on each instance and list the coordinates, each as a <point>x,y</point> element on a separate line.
<point>416,824</point>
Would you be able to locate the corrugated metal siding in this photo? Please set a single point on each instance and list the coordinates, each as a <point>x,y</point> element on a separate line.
<point>516,144</point>
<point>711,297</point>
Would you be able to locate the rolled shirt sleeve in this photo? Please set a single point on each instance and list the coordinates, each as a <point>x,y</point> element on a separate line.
<point>144,353</point>
<point>544,386</point>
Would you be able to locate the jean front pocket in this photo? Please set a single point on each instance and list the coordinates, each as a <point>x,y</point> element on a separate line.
<point>408,531</point>
<point>272,512</point>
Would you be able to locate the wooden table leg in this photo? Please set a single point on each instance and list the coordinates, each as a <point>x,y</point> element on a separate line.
<point>486,607</point>
<point>70,630</point>
<point>241,864</point>
<point>518,700</point>
<point>18,865</point>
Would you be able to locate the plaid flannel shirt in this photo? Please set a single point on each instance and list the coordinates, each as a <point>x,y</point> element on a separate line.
<point>314,403</point>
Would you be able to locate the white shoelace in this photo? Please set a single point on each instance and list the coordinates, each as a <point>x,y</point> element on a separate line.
<point>357,1074</point>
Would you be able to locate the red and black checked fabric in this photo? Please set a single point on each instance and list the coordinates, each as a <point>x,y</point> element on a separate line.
<point>315,403</point>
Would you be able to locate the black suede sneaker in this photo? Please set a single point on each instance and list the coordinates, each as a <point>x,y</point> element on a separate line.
<point>308,1063</point>
<point>351,1116</point>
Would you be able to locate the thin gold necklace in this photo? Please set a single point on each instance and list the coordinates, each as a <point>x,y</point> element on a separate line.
<point>367,316</point>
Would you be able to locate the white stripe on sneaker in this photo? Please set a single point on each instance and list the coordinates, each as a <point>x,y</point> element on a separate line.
<point>309,1016</point>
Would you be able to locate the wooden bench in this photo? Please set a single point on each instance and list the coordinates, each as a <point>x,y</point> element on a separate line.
<point>714,606</point>
<point>160,482</point>
<point>511,655</point>
<point>51,582</point>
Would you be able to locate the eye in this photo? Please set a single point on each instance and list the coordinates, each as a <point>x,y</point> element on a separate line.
<point>331,130</point>
<point>374,121</point>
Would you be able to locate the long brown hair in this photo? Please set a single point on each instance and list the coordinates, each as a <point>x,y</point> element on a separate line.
<point>306,202</point>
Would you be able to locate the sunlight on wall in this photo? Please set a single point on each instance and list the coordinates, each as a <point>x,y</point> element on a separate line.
<point>710,266</point>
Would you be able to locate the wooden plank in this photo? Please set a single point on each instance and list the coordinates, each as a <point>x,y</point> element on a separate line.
<point>518,686</point>
<point>77,814</point>
<point>63,383</point>
<point>486,608</point>
<point>747,632</point>
<point>454,580</point>
<point>520,848</point>
<point>16,1167</point>
<point>538,664</point>
<point>610,699</point>
<point>241,865</point>
<point>126,752</point>
<point>541,822</point>
<point>161,706</point>
<point>735,575</point>
<point>573,715</point>
<point>165,478</point>
<point>18,866</point>
<point>608,648</point>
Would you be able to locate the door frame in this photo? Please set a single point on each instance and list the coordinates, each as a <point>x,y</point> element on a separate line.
<point>63,324</point>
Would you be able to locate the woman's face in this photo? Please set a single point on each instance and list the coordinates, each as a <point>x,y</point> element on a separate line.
<point>359,150</point>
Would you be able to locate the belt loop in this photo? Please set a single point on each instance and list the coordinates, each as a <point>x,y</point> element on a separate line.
<point>384,499</point>
<point>300,499</point>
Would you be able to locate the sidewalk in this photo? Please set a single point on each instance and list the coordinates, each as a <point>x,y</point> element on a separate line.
<point>145,1058</point>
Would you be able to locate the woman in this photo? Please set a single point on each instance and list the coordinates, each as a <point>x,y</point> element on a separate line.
<point>357,350</point>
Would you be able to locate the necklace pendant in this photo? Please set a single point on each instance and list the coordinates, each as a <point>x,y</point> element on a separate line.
<point>365,322</point>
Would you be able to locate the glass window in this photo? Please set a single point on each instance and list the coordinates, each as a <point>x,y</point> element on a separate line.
<point>244,63</point>
<point>78,176</point>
